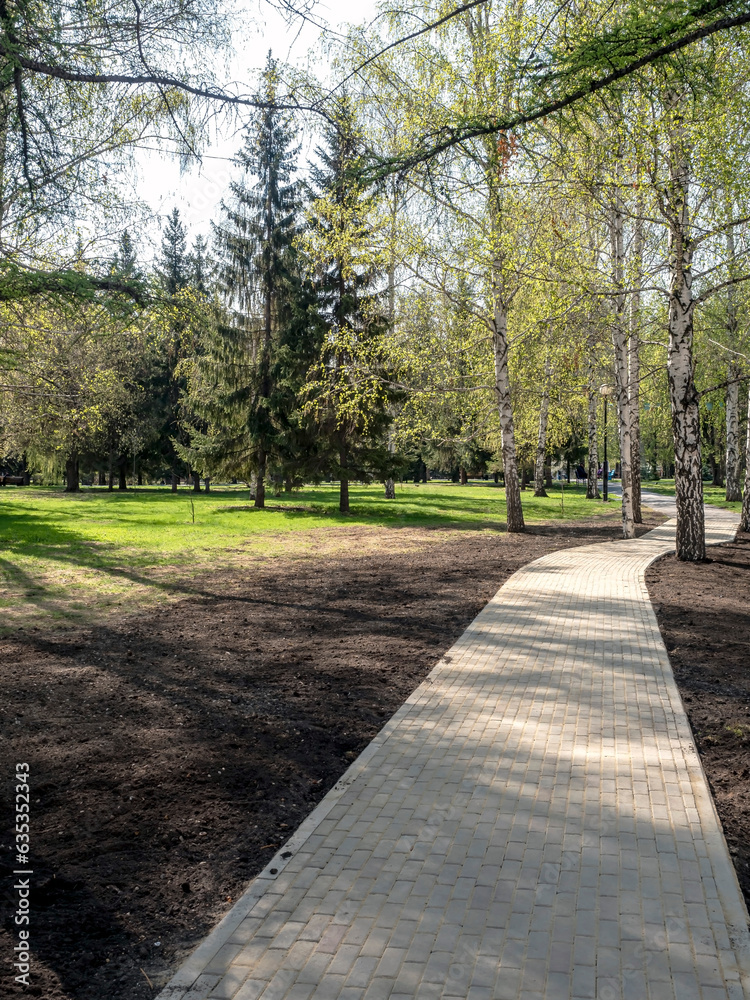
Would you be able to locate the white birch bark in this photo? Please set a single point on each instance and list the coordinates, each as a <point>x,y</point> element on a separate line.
<point>592,485</point>
<point>505,412</point>
<point>733,487</point>
<point>745,515</point>
<point>634,363</point>
<point>622,378</point>
<point>541,446</point>
<point>390,486</point>
<point>691,534</point>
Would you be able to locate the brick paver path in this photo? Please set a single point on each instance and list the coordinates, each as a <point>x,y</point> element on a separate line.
<point>533,824</point>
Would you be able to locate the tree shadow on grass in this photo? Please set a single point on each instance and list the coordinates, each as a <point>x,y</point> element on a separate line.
<point>204,737</point>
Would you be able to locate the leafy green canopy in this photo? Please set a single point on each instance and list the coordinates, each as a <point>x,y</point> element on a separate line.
<point>558,68</point>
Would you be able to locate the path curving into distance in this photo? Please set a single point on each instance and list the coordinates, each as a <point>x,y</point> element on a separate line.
<point>532,824</point>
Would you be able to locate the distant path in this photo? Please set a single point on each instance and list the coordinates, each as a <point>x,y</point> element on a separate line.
<point>532,824</point>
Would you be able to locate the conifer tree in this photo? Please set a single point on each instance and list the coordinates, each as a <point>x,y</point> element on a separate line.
<point>173,266</point>
<point>125,261</point>
<point>244,386</point>
<point>199,266</point>
<point>348,392</point>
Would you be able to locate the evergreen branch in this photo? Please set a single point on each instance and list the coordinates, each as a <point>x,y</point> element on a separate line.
<point>17,284</point>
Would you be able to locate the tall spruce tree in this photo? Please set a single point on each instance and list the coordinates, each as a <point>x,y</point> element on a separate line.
<point>173,272</point>
<point>245,386</point>
<point>349,392</point>
<point>173,266</point>
<point>199,266</point>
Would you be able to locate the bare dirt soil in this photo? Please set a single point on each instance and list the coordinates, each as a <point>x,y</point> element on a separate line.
<point>172,752</point>
<point>704,616</point>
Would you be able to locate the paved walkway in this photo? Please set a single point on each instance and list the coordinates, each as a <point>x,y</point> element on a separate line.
<point>533,824</point>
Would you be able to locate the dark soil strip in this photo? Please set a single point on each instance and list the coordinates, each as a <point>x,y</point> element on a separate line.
<point>704,616</point>
<point>172,753</point>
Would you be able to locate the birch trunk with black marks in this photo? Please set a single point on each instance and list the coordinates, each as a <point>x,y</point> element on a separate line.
<point>592,481</point>
<point>733,487</point>
<point>691,534</point>
<point>541,446</point>
<point>634,363</point>
<point>498,89</point>
<point>592,477</point>
<point>505,412</point>
<point>745,515</point>
<point>622,377</point>
<point>390,486</point>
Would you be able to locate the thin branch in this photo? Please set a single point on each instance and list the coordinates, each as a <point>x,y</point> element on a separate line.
<point>406,38</point>
<point>456,134</point>
<point>150,79</point>
<point>728,349</point>
<point>723,385</point>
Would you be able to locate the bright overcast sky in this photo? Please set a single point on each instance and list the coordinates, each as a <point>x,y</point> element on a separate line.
<point>198,191</point>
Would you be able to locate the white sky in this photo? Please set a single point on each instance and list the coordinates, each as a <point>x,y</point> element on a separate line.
<point>198,191</point>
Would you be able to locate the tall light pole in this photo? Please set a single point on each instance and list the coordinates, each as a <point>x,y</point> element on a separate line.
<point>606,391</point>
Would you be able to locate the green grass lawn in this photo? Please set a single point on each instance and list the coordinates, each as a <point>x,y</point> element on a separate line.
<point>67,556</point>
<point>711,494</point>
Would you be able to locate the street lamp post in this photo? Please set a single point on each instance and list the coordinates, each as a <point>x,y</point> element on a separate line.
<point>606,392</point>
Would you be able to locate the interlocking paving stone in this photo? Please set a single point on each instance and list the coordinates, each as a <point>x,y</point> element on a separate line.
<point>534,822</point>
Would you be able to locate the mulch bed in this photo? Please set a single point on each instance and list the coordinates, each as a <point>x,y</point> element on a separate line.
<point>704,616</point>
<point>173,752</point>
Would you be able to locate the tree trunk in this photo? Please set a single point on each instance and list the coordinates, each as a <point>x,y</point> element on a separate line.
<point>745,515</point>
<point>260,482</point>
<point>732,461</point>
<point>496,477</point>
<point>463,476</point>
<point>196,482</point>
<point>140,478</point>
<point>634,361</point>
<point>288,484</point>
<point>111,470</point>
<point>734,488</point>
<point>122,473</point>
<point>175,480</point>
<point>691,533</point>
<point>716,478</point>
<point>102,478</point>
<point>390,489</point>
<point>541,444</point>
<point>72,479</point>
<point>424,473</point>
<point>514,510</point>
<point>622,375</point>
<point>592,479</point>
<point>207,481</point>
<point>344,482</point>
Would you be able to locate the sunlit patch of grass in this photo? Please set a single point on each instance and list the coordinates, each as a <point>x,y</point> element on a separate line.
<point>75,557</point>
<point>711,494</point>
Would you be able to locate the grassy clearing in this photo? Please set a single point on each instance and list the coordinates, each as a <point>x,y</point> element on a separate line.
<point>67,557</point>
<point>711,494</point>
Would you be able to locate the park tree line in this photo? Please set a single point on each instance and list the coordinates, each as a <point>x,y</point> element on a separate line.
<point>516,216</point>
